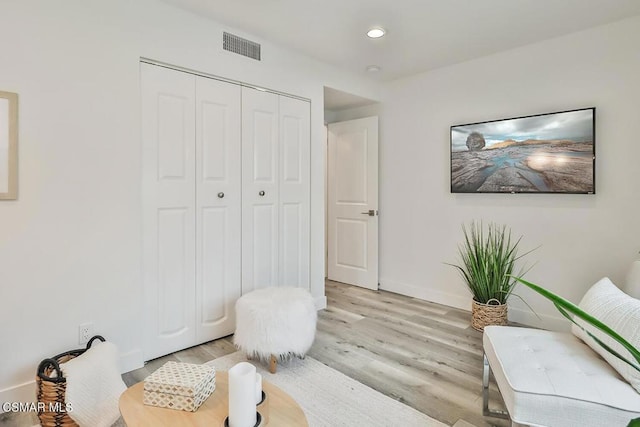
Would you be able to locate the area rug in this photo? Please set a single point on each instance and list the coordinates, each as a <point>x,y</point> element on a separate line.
<point>330,398</point>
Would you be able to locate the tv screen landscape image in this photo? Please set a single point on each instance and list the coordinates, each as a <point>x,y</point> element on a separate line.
<point>545,153</point>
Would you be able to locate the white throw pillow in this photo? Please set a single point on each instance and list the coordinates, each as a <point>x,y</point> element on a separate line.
<point>632,287</point>
<point>94,386</point>
<point>620,312</point>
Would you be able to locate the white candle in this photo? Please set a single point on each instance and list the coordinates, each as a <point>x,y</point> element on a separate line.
<point>242,386</point>
<point>258,388</point>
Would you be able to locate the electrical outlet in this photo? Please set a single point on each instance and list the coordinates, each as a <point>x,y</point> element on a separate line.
<point>85,332</point>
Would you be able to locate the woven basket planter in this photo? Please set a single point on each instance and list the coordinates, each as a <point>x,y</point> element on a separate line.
<point>492,313</point>
<point>52,387</point>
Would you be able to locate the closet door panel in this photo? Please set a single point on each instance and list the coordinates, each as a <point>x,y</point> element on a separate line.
<point>260,189</point>
<point>173,271</point>
<point>218,213</point>
<point>265,234</point>
<point>212,302</point>
<point>263,147</point>
<point>168,209</point>
<point>294,183</point>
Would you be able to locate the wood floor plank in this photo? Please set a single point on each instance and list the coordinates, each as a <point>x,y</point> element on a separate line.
<point>339,315</point>
<point>418,364</point>
<point>383,334</point>
<point>390,298</point>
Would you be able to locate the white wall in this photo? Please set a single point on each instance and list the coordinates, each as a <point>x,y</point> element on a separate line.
<point>70,247</point>
<point>582,237</point>
<point>332,116</point>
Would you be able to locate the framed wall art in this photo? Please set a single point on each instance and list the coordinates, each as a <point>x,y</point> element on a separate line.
<point>8,146</point>
<point>544,153</point>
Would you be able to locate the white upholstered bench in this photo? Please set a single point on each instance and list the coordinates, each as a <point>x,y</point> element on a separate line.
<point>567,379</point>
<point>554,379</point>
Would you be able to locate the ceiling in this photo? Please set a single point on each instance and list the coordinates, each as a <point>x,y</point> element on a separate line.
<point>421,34</point>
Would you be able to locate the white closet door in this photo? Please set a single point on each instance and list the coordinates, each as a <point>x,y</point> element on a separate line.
<point>168,125</point>
<point>218,199</point>
<point>295,138</point>
<point>260,169</point>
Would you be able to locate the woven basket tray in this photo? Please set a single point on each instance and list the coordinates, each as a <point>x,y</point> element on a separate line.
<point>52,386</point>
<point>488,314</point>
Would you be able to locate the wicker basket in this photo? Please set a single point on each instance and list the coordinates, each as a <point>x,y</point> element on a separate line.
<point>51,390</point>
<point>488,314</point>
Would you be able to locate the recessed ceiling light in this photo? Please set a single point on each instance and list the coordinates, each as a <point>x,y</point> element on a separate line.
<point>376,32</point>
<point>373,68</point>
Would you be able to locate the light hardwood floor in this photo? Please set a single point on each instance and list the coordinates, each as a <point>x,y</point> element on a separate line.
<point>422,354</point>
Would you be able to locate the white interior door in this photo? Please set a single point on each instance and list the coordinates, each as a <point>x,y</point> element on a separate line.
<point>295,164</point>
<point>260,188</point>
<point>218,207</point>
<point>168,127</point>
<point>353,202</point>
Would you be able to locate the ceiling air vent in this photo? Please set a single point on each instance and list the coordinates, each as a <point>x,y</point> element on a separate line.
<point>241,46</point>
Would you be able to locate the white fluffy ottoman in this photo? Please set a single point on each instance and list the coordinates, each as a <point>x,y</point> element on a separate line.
<point>275,323</point>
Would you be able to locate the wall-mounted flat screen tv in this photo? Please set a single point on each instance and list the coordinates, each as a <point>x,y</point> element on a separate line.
<point>545,153</point>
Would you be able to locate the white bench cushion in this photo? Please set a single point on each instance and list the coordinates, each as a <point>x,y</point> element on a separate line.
<point>554,379</point>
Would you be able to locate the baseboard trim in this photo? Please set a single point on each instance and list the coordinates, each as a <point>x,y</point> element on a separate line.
<point>444,298</point>
<point>321,302</point>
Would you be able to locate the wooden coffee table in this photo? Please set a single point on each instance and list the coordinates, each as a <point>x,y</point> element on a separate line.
<point>283,410</point>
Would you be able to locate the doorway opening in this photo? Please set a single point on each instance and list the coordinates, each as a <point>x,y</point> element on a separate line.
<point>351,189</point>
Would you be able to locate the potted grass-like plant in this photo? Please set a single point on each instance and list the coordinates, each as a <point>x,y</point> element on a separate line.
<point>488,258</point>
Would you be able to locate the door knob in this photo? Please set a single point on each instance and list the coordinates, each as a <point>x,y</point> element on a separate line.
<point>220,195</point>
<point>261,193</point>
<point>370,212</point>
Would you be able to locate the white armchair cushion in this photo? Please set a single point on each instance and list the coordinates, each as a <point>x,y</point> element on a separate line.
<point>620,312</point>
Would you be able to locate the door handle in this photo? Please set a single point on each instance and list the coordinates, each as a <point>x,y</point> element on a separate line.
<point>220,195</point>
<point>370,212</point>
<point>261,193</point>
